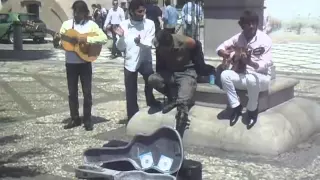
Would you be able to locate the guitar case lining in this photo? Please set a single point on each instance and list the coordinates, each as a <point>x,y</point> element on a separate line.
<point>95,172</point>
<point>158,153</point>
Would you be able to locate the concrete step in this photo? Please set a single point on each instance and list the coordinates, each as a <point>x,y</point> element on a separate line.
<point>281,90</point>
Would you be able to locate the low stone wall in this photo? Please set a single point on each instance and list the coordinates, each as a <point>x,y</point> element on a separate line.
<point>281,90</point>
<point>278,129</point>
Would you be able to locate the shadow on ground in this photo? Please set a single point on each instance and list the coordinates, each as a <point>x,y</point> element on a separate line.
<point>10,139</point>
<point>9,162</point>
<point>95,120</point>
<point>24,42</point>
<point>14,55</point>
<point>8,119</point>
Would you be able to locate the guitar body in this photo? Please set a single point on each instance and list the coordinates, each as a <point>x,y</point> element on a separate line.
<point>237,60</point>
<point>87,52</point>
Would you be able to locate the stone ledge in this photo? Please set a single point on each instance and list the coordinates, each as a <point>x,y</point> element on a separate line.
<point>281,90</point>
<point>278,129</point>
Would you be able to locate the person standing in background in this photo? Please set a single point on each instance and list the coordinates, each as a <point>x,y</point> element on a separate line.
<point>170,17</point>
<point>154,13</point>
<point>135,38</point>
<point>103,14</point>
<point>96,15</point>
<point>192,15</point>
<point>114,17</point>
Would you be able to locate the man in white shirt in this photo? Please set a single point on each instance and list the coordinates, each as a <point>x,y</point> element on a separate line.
<point>114,18</point>
<point>256,75</point>
<point>135,38</point>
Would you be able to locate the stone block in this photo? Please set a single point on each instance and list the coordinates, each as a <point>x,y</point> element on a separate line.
<point>281,90</point>
<point>277,130</point>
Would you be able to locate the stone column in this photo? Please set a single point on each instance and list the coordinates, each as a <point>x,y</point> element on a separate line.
<point>221,20</point>
<point>17,36</point>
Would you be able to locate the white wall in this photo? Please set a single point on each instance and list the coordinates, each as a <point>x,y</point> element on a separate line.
<point>290,9</point>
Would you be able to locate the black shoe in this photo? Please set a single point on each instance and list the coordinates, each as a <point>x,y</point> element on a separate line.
<point>236,113</point>
<point>252,118</point>
<point>169,106</point>
<point>113,56</point>
<point>88,125</point>
<point>154,103</point>
<point>74,122</point>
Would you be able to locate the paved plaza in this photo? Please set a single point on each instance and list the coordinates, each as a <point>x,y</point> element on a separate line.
<point>34,108</point>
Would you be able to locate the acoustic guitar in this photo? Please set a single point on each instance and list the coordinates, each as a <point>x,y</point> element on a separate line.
<point>237,59</point>
<point>87,52</point>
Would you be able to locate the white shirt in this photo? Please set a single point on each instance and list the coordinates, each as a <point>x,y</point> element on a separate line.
<point>136,54</point>
<point>103,11</point>
<point>114,16</point>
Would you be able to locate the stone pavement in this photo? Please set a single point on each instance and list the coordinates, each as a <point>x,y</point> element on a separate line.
<point>34,107</point>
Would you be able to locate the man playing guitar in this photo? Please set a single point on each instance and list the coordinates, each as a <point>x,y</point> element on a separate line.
<point>252,48</point>
<point>77,67</point>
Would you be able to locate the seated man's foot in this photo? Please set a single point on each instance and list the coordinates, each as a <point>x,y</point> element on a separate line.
<point>236,113</point>
<point>113,56</point>
<point>73,122</point>
<point>252,118</point>
<point>169,106</point>
<point>88,125</point>
<point>154,103</point>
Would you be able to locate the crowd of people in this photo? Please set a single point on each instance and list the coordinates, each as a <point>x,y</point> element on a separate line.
<point>165,18</point>
<point>179,59</point>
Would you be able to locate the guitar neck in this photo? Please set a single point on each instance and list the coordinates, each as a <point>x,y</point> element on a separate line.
<point>49,31</point>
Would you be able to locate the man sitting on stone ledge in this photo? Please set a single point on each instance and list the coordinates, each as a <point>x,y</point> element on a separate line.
<point>257,73</point>
<point>175,74</point>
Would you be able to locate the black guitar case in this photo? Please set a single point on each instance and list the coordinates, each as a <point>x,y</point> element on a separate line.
<point>154,156</point>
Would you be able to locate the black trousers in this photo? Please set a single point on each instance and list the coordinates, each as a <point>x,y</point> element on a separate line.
<point>179,85</point>
<point>131,86</point>
<point>114,50</point>
<point>84,72</point>
<point>171,30</point>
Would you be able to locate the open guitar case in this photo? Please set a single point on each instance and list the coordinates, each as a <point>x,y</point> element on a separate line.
<point>158,156</point>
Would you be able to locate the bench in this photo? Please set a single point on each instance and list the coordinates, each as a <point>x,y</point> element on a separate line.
<point>281,90</point>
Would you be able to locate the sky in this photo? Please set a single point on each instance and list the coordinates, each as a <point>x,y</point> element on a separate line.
<point>289,9</point>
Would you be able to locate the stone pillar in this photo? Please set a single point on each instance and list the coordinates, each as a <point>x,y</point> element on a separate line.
<point>221,20</point>
<point>17,36</point>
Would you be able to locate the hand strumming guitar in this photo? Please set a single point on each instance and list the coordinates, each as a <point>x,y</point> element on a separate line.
<point>246,59</point>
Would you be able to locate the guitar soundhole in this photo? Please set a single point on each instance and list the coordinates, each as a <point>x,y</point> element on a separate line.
<point>84,48</point>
